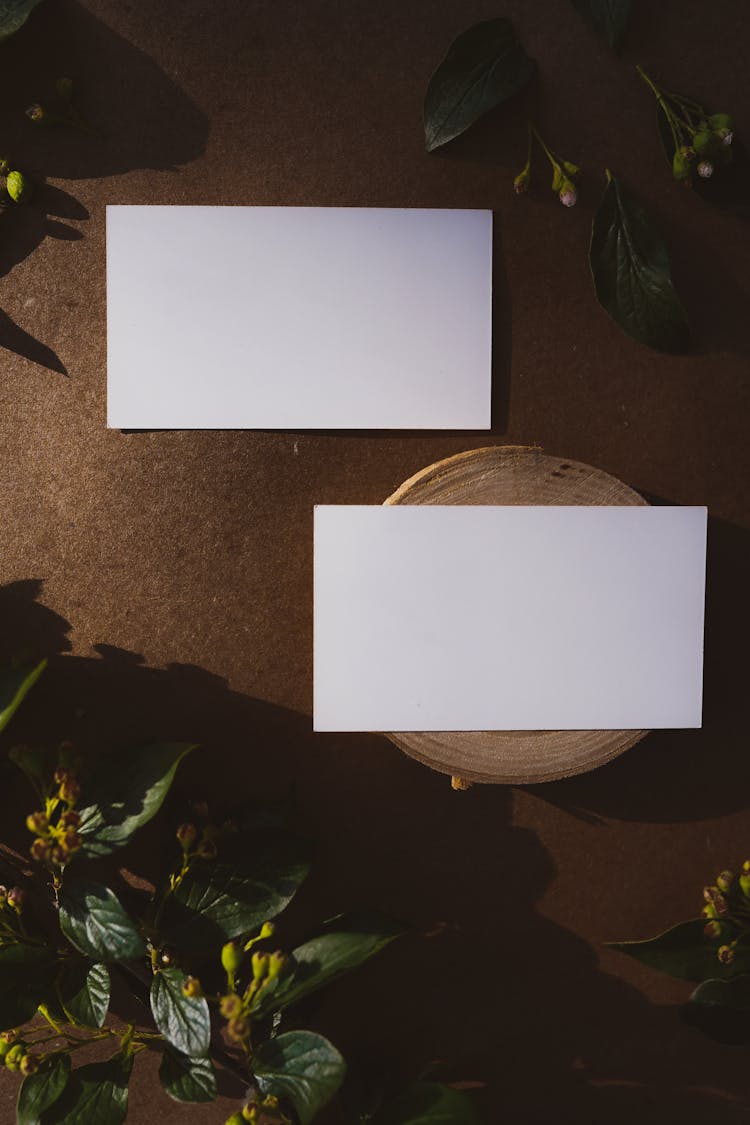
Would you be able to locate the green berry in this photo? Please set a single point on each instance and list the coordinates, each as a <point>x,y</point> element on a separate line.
<point>231,957</point>
<point>19,188</point>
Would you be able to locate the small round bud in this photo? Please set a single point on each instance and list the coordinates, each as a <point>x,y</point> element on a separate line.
<point>37,822</point>
<point>725,953</point>
<point>38,114</point>
<point>745,884</point>
<point>705,169</point>
<point>568,194</point>
<point>704,142</point>
<point>16,896</point>
<point>713,930</point>
<point>276,963</point>
<point>71,842</point>
<point>680,166</point>
<point>14,1055</point>
<point>235,1119</point>
<point>191,986</point>
<point>57,855</point>
<point>250,1114</point>
<point>724,881</point>
<point>687,152</point>
<point>267,930</point>
<point>186,836</point>
<point>719,121</point>
<point>522,181</point>
<point>29,1064</point>
<point>238,1029</point>
<point>231,956</point>
<point>270,1102</point>
<point>230,1006</point>
<point>715,898</point>
<point>727,136</point>
<point>70,819</point>
<point>70,791</point>
<point>19,188</point>
<point>40,850</point>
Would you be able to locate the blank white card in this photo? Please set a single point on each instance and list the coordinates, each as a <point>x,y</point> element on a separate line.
<point>298,317</point>
<point>508,618</point>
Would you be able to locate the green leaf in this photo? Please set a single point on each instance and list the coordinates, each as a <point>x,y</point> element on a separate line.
<point>684,952</point>
<point>96,1094</point>
<point>27,973</point>
<point>428,1103</point>
<point>215,902</point>
<point>41,1090</point>
<point>630,268</point>
<point>93,920</point>
<point>343,943</point>
<point>186,1079</point>
<point>301,1067</point>
<point>609,18</point>
<point>183,1020</point>
<point>83,990</point>
<point>484,66</point>
<point>125,792</point>
<point>15,683</point>
<point>721,1009</point>
<point>13,15</point>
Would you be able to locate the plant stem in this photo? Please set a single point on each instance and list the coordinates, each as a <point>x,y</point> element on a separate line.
<point>43,1010</point>
<point>550,155</point>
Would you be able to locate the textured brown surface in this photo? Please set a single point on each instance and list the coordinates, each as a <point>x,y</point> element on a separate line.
<point>188,555</point>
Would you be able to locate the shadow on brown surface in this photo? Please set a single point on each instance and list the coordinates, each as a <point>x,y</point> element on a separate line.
<point>484,990</point>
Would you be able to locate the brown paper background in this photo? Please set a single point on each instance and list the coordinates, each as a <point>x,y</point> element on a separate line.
<point>188,555</point>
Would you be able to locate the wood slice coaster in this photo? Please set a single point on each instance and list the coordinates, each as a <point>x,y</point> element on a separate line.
<point>513,474</point>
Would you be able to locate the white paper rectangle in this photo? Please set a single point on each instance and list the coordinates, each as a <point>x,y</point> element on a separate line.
<point>508,618</point>
<point>298,317</point>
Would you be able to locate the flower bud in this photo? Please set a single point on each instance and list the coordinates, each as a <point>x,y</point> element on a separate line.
<point>165,957</point>
<point>70,819</point>
<point>267,930</point>
<point>704,142</point>
<point>61,774</point>
<point>715,898</point>
<point>568,194</point>
<point>186,836</point>
<point>259,962</point>
<point>4,169</point>
<point>522,180</point>
<point>38,114</point>
<point>724,881</point>
<point>57,855</point>
<point>276,963</point>
<point>571,169</point>
<point>29,1064</point>
<point>745,879</point>
<point>687,152</point>
<point>713,930</point>
<point>234,1119</point>
<point>14,1055</point>
<point>250,1114</point>
<point>16,896</point>
<point>719,121</point>
<point>70,791</point>
<point>238,1029</point>
<point>727,136</point>
<point>230,1006</point>
<point>705,169</point>
<point>725,953</point>
<point>270,1102</point>
<point>680,166</point>
<point>19,188</point>
<point>37,822</point>
<point>191,986</point>
<point>71,842</point>
<point>231,957</point>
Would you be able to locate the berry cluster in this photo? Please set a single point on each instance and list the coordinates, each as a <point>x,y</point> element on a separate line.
<point>55,827</point>
<point>15,1055</point>
<point>564,172</point>
<point>728,912</point>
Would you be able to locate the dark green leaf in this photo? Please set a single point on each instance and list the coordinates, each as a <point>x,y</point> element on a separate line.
<point>729,187</point>
<point>183,1020</point>
<point>13,15</point>
<point>96,1094</point>
<point>125,792</point>
<point>35,762</point>
<point>485,66</point>
<point>683,952</point>
<point>93,920</point>
<point>27,973</point>
<point>41,1090</point>
<point>721,1009</point>
<point>343,943</point>
<point>428,1103</point>
<point>630,268</point>
<point>83,990</point>
<point>609,18</point>
<point>215,902</point>
<point>186,1079</point>
<point>302,1068</point>
<point>15,683</point>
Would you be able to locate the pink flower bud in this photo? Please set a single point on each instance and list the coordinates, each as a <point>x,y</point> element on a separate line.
<point>705,169</point>
<point>568,195</point>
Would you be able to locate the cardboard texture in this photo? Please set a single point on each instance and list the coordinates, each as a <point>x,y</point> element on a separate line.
<point>187,556</point>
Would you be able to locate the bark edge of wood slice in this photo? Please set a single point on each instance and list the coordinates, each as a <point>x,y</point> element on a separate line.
<point>512,474</point>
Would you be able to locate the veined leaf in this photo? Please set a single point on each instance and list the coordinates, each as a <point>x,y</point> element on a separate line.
<point>125,792</point>
<point>183,1020</point>
<point>343,943</point>
<point>27,973</point>
<point>215,902</point>
<point>94,921</point>
<point>684,952</point>
<point>41,1090</point>
<point>15,683</point>
<point>302,1068</point>
<point>630,268</point>
<point>609,18</point>
<point>186,1079</point>
<point>484,66</point>
<point>95,1094</point>
<point>83,991</point>
<point>13,15</point>
<point>428,1103</point>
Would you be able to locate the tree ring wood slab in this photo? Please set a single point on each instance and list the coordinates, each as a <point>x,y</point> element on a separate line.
<point>513,474</point>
